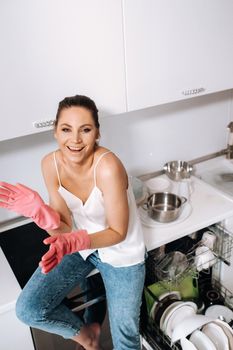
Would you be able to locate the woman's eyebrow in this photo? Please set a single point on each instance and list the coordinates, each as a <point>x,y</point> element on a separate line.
<point>65,124</point>
<point>81,126</point>
<point>85,125</point>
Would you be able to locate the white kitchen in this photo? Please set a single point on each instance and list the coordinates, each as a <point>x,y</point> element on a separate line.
<point>161,75</point>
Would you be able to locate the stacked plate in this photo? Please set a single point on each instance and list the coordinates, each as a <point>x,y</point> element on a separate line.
<point>176,313</point>
<point>204,334</point>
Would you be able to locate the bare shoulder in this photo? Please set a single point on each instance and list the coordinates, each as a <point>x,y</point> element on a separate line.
<point>46,160</point>
<point>48,167</point>
<point>110,167</point>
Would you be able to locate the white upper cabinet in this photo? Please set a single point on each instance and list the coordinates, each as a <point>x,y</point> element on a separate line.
<point>177,49</point>
<point>56,48</point>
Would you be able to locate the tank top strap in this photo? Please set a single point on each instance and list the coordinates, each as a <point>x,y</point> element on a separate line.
<point>56,167</point>
<point>98,160</point>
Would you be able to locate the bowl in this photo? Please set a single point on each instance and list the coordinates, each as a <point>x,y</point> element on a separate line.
<point>178,170</point>
<point>158,184</point>
<point>164,206</point>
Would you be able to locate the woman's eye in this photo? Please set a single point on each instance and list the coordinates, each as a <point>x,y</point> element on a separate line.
<point>65,129</point>
<point>86,130</point>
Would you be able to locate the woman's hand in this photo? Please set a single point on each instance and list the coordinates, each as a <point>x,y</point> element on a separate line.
<point>27,202</point>
<point>60,245</point>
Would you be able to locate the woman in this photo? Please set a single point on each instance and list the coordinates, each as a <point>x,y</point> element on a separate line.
<point>93,222</point>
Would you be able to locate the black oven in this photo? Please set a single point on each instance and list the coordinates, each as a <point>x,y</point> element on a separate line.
<point>23,247</point>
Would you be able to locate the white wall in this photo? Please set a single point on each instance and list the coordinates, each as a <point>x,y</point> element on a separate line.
<point>144,140</point>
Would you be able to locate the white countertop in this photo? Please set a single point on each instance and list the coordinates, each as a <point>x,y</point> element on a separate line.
<point>209,206</point>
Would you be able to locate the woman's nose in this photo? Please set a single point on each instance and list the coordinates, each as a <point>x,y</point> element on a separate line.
<point>76,137</point>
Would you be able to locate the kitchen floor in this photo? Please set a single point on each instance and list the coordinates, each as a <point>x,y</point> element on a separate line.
<point>44,340</point>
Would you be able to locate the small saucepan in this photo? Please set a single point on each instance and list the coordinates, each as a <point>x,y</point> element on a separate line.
<point>164,206</point>
<point>178,170</point>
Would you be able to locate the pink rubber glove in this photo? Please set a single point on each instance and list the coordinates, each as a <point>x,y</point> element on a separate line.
<point>26,202</point>
<point>62,244</point>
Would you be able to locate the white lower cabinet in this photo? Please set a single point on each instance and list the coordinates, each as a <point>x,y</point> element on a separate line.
<point>14,334</point>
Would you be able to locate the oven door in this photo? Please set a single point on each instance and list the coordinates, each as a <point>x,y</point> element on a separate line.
<point>23,247</point>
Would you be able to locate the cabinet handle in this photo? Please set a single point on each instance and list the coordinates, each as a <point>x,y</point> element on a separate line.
<point>43,123</point>
<point>193,91</point>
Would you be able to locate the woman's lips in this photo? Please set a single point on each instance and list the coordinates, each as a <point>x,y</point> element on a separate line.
<point>75,149</point>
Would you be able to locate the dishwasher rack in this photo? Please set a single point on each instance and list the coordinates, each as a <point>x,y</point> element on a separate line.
<point>222,252</point>
<point>158,267</point>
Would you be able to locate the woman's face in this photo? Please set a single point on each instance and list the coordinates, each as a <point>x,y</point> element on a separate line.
<point>76,134</point>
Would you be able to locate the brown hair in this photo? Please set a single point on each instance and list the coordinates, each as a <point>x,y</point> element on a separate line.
<point>78,101</point>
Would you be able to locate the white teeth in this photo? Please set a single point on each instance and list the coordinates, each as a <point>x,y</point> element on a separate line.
<point>75,148</point>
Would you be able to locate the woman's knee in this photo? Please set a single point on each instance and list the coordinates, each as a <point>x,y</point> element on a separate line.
<point>28,310</point>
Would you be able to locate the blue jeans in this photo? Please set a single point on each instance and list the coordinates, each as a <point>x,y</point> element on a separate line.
<point>40,304</point>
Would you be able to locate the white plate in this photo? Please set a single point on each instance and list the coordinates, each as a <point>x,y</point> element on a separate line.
<point>178,316</point>
<point>147,221</point>
<point>172,295</point>
<point>167,311</point>
<point>219,310</point>
<point>188,308</point>
<point>201,341</point>
<point>189,325</point>
<point>187,345</point>
<point>217,336</point>
<point>227,330</point>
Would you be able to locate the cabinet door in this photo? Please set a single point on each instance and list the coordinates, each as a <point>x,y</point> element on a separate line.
<point>51,49</point>
<point>177,49</point>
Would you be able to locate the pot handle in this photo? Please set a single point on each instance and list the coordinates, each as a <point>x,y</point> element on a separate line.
<point>183,200</point>
<point>190,168</point>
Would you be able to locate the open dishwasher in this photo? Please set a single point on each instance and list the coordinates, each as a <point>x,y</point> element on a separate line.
<point>183,283</point>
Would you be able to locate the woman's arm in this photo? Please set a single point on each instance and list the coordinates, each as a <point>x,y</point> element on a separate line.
<point>55,199</point>
<point>112,180</point>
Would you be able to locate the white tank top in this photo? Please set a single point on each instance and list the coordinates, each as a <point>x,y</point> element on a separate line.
<point>91,217</point>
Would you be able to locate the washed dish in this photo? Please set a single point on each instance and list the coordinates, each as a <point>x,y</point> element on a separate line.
<point>180,314</point>
<point>219,310</point>
<point>187,345</point>
<point>227,330</point>
<point>201,341</point>
<point>147,221</point>
<point>217,336</point>
<point>167,322</point>
<point>188,326</point>
<point>167,311</point>
<point>161,307</point>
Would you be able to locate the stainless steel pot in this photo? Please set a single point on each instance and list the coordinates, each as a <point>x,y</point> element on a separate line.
<point>164,206</point>
<point>178,170</point>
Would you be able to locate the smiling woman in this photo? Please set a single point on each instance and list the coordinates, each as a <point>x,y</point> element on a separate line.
<point>96,226</point>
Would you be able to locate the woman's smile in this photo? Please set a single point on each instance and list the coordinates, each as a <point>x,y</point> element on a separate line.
<point>76,149</point>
